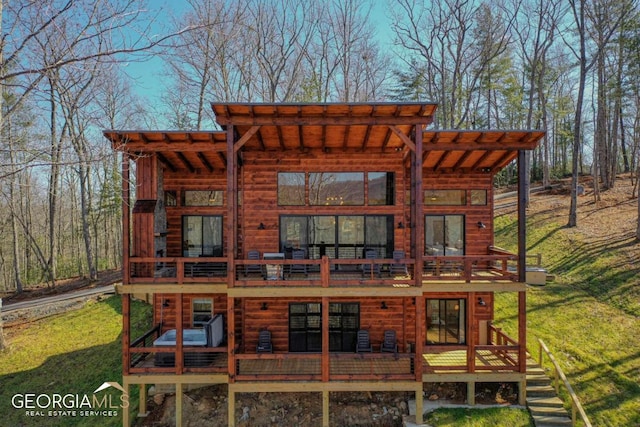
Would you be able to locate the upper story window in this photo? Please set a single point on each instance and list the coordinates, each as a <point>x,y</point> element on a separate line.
<point>336,188</point>
<point>445,197</point>
<point>478,197</point>
<point>380,188</point>
<point>291,188</point>
<point>202,198</point>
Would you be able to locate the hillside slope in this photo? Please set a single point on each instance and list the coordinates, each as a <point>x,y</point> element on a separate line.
<point>590,315</point>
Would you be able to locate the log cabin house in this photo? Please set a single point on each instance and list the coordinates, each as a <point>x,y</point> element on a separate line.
<point>319,248</point>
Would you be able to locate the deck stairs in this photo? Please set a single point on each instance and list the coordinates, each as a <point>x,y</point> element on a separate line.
<point>545,406</point>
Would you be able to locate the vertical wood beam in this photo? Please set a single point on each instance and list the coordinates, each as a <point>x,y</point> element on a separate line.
<point>179,404</point>
<point>473,330</point>
<point>522,260</point>
<point>126,217</point>
<point>179,357</point>
<point>126,422</point>
<point>126,333</point>
<point>232,207</point>
<point>420,338</point>
<point>471,393</point>
<point>325,408</point>
<point>231,406</point>
<point>418,207</point>
<point>325,340</point>
<point>231,339</point>
<point>419,405</point>
<point>142,405</point>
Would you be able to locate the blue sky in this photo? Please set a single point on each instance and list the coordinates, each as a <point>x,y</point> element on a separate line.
<point>146,76</point>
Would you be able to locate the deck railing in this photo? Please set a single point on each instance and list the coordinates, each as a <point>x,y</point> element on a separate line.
<point>498,265</point>
<point>144,357</point>
<point>558,375</point>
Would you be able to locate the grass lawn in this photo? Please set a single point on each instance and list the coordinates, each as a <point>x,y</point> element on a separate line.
<point>71,353</point>
<point>588,316</point>
<point>476,417</point>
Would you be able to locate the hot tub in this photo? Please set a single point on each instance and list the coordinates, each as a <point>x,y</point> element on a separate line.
<point>190,338</point>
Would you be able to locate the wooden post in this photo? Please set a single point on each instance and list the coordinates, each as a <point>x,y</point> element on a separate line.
<point>325,408</point>
<point>232,207</point>
<point>419,405</point>
<point>231,406</point>
<point>471,339</point>
<point>178,404</point>
<point>142,406</point>
<point>179,356</point>
<point>126,333</point>
<point>126,218</point>
<point>125,411</point>
<point>231,339</point>
<point>326,363</point>
<point>471,393</point>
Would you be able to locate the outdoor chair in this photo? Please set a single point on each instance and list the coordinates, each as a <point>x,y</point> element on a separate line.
<point>397,267</point>
<point>253,268</point>
<point>298,268</point>
<point>389,344</point>
<point>264,342</point>
<point>371,267</point>
<point>363,343</point>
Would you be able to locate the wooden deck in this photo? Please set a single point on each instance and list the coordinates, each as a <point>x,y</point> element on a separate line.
<point>342,366</point>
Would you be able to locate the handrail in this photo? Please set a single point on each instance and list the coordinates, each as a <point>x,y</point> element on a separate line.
<point>576,407</point>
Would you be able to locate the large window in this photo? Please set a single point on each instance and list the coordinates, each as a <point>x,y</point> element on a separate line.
<point>202,235</point>
<point>446,321</point>
<point>202,198</point>
<point>305,326</point>
<point>336,188</point>
<point>444,235</point>
<point>337,236</point>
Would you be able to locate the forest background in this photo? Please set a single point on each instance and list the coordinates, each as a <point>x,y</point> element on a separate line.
<point>68,68</point>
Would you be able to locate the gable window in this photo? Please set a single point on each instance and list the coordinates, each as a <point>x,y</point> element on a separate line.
<point>446,321</point>
<point>202,235</point>
<point>444,235</point>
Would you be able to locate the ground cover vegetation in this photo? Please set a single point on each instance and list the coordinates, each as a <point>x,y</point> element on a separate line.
<point>70,353</point>
<point>589,315</point>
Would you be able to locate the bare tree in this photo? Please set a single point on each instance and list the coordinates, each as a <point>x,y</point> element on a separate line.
<point>585,63</point>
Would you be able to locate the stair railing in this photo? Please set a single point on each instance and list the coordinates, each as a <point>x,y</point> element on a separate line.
<point>576,407</point>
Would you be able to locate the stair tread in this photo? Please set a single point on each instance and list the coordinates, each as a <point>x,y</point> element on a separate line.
<point>553,401</point>
<point>549,411</point>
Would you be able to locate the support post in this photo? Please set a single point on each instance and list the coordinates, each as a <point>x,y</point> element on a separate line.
<point>178,404</point>
<point>231,406</point>
<point>419,405</point>
<point>142,405</point>
<point>471,393</point>
<point>126,422</point>
<point>325,408</point>
<point>522,260</point>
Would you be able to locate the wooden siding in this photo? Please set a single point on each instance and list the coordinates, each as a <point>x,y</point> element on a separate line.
<point>167,315</point>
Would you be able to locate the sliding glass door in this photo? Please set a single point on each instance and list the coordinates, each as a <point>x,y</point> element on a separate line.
<point>337,236</point>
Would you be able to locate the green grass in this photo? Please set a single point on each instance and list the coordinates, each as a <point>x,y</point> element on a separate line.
<point>475,417</point>
<point>588,316</point>
<point>72,353</point>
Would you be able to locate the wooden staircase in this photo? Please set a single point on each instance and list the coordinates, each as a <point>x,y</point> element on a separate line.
<point>543,403</point>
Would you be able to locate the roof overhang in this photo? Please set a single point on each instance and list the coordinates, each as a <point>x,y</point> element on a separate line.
<point>348,128</point>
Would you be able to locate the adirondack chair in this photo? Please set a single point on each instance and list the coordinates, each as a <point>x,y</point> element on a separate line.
<point>363,343</point>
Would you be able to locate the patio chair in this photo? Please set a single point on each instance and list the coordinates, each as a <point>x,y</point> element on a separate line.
<point>253,268</point>
<point>264,342</point>
<point>363,343</point>
<point>389,344</point>
<point>370,267</point>
<point>396,267</point>
<point>298,268</point>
